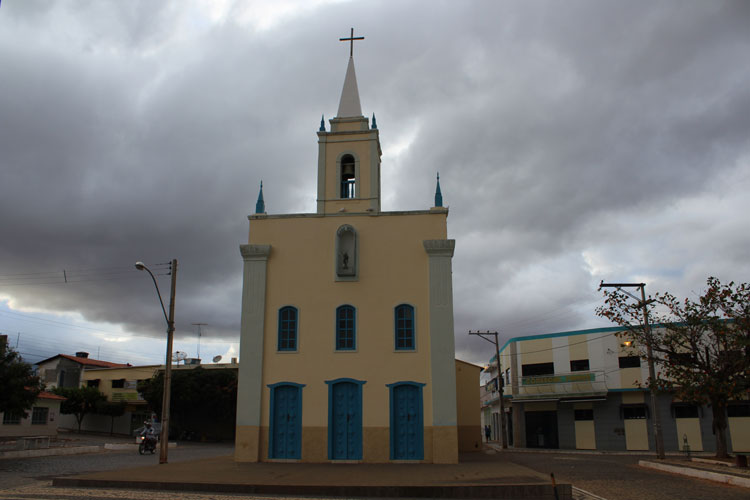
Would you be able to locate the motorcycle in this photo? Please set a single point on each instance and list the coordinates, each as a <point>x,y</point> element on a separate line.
<point>147,445</point>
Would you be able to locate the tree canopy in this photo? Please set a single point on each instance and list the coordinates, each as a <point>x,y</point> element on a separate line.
<point>80,401</point>
<point>20,387</point>
<point>701,346</point>
<point>203,401</point>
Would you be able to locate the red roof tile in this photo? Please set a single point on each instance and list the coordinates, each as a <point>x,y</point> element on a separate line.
<point>49,395</point>
<point>87,361</point>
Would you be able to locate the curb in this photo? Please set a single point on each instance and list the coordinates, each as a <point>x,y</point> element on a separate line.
<point>507,492</point>
<point>701,474</point>
<point>77,450</point>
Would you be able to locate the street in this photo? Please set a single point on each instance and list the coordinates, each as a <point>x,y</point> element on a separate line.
<point>618,477</point>
<point>613,477</point>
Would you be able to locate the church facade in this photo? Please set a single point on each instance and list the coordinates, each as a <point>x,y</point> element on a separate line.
<point>347,342</point>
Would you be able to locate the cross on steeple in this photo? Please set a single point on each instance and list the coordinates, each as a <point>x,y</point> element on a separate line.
<point>351,41</point>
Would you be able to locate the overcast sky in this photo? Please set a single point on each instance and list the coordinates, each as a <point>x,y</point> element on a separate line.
<point>576,142</point>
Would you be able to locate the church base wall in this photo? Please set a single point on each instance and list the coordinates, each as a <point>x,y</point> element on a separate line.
<point>445,445</point>
<point>246,443</point>
<point>440,444</point>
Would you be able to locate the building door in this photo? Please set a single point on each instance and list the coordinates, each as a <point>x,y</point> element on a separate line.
<point>406,422</point>
<point>346,421</point>
<point>286,421</point>
<point>541,429</point>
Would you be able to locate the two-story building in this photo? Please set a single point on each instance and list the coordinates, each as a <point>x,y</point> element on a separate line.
<point>582,390</point>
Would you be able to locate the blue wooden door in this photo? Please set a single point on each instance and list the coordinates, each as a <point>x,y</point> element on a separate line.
<point>286,428</point>
<point>346,422</point>
<point>407,423</point>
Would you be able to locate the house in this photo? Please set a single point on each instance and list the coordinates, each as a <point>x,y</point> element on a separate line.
<point>42,419</point>
<point>347,342</point>
<point>64,370</point>
<point>581,390</point>
<point>120,384</point>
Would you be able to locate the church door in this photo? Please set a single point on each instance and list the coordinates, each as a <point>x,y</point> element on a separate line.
<point>346,422</point>
<point>286,422</point>
<point>406,422</point>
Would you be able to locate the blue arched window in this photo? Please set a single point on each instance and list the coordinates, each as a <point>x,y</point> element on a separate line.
<point>346,328</point>
<point>287,329</point>
<point>404,327</point>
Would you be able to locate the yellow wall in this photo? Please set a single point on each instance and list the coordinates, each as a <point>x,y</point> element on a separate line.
<point>535,351</point>
<point>739,431</point>
<point>393,269</point>
<point>636,434</point>
<point>585,435</point>
<point>107,375</point>
<point>690,427</point>
<point>468,407</point>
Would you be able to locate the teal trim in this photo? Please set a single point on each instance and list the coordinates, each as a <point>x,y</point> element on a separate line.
<point>411,444</point>
<point>322,124</point>
<point>628,390</point>
<point>563,334</point>
<point>289,436</point>
<point>356,452</point>
<point>260,205</point>
<point>404,337</point>
<point>374,123</point>
<point>346,328</point>
<point>438,193</point>
<point>287,329</point>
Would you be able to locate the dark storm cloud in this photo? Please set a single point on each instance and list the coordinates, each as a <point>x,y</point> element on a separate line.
<point>133,131</point>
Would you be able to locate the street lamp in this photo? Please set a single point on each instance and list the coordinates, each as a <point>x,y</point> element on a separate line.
<point>168,364</point>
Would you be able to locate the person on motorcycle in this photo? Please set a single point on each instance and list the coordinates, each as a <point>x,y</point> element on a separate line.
<point>149,434</point>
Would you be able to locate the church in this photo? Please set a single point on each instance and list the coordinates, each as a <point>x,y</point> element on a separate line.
<point>347,342</point>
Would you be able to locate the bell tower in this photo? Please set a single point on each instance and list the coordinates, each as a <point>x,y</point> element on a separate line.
<point>349,154</point>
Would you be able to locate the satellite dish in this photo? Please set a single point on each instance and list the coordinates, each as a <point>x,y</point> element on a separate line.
<point>179,356</point>
<point>217,359</point>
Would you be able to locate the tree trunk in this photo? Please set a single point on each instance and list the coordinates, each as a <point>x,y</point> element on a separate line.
<point>111,425</point>
<point>719,427</point>
<point>80,419</point>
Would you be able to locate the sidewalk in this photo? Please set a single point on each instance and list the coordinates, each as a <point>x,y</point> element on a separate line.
<point>476,476</point>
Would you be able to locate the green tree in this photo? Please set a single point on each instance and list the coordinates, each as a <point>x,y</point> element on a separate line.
<point>20,387</point>
<point>80,401</point>
<point>111,409</point>
<point>204,401</point>
<point>701,346</point>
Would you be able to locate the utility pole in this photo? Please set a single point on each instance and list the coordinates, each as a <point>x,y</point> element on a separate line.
<point>500,383</point>
<point>163,450</point>
<point>643,303</point>
<point>199,325</point>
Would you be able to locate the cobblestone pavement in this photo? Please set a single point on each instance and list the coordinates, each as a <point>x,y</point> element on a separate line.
<point>618,477</point>
<point>16,472</point>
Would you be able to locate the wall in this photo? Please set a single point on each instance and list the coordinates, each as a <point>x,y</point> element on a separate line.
<point>467,406</point>
<point>25,427</point>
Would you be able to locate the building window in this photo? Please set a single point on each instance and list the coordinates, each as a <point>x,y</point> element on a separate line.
<point>630,361</point>
<point>39,415</point>
<point>287,329</point>
<point>583,414</point>
<point>738,410</point>
<point>579,365</point>
<point>10,418</point>
<point>534,369</point>
<point>92,383</point>
<point>118,384</point>
<point>684,411</point>
<point>348,180</point>
<point>635,412</point>
<point>345,328</point>
<point>404,327</point>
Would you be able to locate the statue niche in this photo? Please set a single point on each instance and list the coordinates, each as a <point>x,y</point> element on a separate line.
<point>346,252</point>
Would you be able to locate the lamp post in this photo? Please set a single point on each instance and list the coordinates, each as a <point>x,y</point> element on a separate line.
<point>164,433</point>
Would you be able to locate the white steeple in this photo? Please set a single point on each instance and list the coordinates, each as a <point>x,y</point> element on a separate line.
<point>349,104</point>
